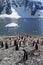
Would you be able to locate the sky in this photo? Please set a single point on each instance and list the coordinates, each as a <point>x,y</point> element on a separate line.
<point>36,0</point>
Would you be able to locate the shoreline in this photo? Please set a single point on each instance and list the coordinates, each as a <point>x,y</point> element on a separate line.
<point>32,35</point>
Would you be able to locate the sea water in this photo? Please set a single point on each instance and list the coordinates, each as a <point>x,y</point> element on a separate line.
<point>11,26</point>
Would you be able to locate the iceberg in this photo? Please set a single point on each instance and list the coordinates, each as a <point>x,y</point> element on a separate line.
<point>11,25</point>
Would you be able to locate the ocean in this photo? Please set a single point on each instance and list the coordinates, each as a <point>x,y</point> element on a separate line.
<point>11,26</point>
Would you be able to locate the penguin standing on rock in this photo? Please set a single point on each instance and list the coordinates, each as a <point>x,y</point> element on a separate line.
<point>6,46</point>
<point>15,43</point>
<point>2,45</point>
<point>36,46</point>
<point>25,57</point>
<point>16,47</point>
<point>33,43</point>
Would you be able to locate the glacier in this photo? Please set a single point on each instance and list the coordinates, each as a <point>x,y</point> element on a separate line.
<point>20,9</point>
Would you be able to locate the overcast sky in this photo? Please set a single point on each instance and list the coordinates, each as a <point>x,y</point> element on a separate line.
<point>36,0</point>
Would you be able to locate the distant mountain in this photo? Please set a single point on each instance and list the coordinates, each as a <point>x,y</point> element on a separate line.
<point>19,8</point>
<point>5,5</point>
<point>15,8</point>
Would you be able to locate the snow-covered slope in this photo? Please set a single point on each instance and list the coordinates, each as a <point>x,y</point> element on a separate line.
<point>14,14</point>
<point>16,9</point>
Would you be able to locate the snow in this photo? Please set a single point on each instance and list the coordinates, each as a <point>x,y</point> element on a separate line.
<point>13,15</point>
<point>16,13</point>
<point>20,12</point>
<point>6,58</point>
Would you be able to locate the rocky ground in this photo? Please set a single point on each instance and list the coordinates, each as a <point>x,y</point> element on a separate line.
<point>12,57</point>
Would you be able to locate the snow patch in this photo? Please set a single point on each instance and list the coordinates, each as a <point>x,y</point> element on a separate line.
<point>13,15</point>
<point>11,25</point>
<point>6,58</point>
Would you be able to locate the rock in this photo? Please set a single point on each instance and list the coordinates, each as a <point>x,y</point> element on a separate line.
<point>8,9</point>
<point>1,57</point>
<point>1,8</point>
